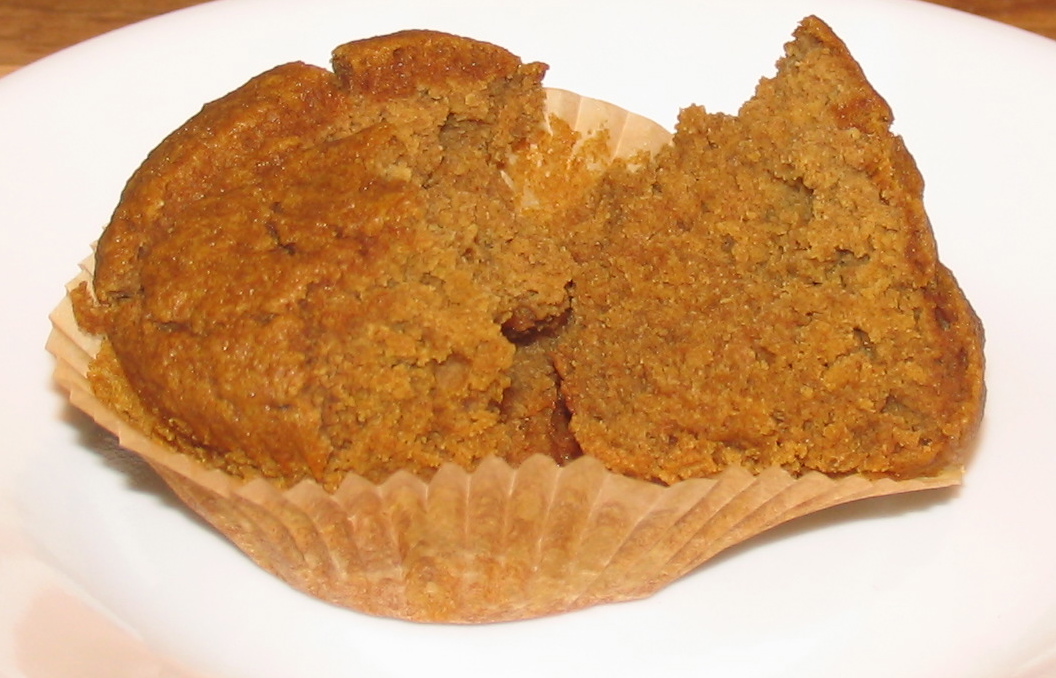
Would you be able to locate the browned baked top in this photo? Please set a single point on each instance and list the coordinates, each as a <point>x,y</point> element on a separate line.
<point>394,265</point>
<point>320,274</point>
<point>769,294</point>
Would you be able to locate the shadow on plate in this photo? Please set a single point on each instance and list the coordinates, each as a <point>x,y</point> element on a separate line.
<point>873,508</point>
<point>860,511</point>
<point>138,474</point>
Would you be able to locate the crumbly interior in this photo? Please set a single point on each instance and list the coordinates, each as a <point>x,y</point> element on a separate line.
<point>399,264</point>
<point>767,293</point>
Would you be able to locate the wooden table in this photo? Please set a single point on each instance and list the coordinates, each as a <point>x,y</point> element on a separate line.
<point>31,29</point>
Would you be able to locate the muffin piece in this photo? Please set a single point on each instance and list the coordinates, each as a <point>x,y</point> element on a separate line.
<point>334,276</point>
<point>331,273</point>
<point>767,293</point>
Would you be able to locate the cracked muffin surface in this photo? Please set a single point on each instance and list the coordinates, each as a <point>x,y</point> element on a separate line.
<point>401,263</point>
<point>321,272</point>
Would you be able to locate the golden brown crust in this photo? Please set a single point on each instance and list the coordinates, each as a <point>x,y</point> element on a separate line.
<point>311,280</point>
<point>391,266</point>
<point>403,64</point>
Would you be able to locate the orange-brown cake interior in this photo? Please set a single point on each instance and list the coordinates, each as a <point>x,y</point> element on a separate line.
<point>768,293</point>
<point>399,264</point>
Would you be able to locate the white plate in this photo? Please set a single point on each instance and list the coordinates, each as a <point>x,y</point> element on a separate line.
<point>103,573</point>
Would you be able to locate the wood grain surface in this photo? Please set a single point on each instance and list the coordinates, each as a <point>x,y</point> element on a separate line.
<point>31,29</point>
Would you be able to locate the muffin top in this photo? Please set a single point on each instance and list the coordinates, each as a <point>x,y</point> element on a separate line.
<point>326,272</point>
<point>401,263</point>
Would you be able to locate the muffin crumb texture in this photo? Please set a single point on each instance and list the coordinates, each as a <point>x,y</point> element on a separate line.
<point>404,262</point>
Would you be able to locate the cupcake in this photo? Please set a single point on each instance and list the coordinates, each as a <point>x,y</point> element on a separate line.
<point>429,341</point>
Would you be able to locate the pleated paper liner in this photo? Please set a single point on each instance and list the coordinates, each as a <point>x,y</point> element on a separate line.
<point>495,544</point>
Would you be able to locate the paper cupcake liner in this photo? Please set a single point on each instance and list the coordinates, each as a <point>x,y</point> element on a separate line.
<point>628,133</point>
<point>495,544</point>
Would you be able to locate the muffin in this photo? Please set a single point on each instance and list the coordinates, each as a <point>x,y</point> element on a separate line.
<point>429,341</point>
